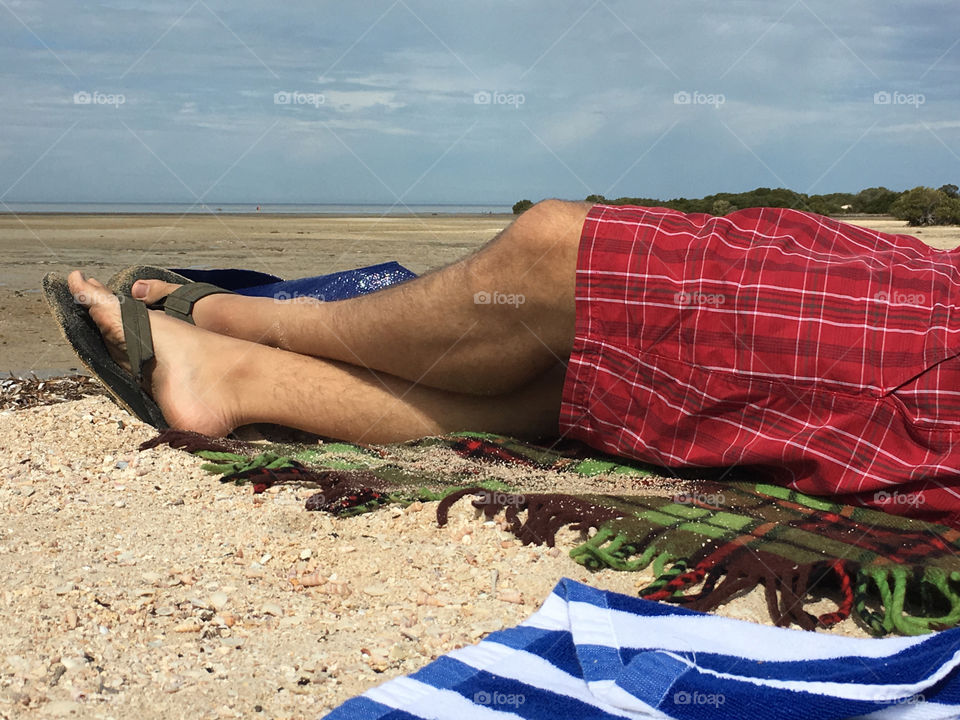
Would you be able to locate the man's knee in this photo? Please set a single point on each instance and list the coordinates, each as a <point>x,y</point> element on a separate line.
<point>552,211</point>
<point>544,262</point>
<point>552,224</point>
<point>538,252</point>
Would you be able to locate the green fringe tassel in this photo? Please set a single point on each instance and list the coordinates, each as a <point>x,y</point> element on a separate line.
<point>891,584</point>
<point>610,549</point>
<point>230,463</point>
<point>662,578</point>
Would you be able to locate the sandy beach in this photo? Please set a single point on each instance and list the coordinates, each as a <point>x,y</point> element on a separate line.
<point>133,584</point>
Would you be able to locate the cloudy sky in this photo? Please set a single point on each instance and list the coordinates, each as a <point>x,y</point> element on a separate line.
<point>487,102</point>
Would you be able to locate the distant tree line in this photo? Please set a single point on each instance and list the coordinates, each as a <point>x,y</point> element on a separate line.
<point>919,206</point>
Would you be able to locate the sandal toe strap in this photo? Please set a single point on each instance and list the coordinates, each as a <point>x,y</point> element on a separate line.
<point>180,302</point>
<point>136,332</point>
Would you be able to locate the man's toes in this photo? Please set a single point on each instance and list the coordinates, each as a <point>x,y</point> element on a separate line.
<point>151,291</point>
<point>75,281</point>
<point>89,293</point>
<point>81,290</point>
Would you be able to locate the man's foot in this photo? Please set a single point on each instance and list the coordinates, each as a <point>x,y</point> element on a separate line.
<point>205,314</point>
<point>190,379</point>
<point>246,318</point>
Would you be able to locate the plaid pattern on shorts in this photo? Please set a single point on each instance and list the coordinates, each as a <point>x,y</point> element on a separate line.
<point>821,355</point>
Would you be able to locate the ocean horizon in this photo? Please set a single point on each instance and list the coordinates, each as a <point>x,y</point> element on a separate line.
<point>372,209</point>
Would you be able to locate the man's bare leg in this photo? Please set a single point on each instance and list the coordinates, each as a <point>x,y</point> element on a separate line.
<point>212,383</point>
<point>433,330</point>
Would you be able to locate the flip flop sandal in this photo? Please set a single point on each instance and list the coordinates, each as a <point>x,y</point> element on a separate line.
<point>179,303</point>
<point>78,329</point>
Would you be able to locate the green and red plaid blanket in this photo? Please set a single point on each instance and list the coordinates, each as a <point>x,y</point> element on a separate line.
<point>707,542</point>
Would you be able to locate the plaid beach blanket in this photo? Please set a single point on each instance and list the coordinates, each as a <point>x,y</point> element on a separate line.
<point>589,653</point>
<point>706,541</point>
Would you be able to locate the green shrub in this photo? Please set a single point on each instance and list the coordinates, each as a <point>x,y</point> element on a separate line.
<point>926,206</point>
<point>521,206</point>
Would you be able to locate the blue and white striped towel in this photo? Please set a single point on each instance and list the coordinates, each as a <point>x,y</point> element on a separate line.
<point>589,653</point>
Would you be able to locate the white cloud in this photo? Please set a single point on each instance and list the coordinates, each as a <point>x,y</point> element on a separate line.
<point>573,127</point>
<point>797,94</point>
<point>357,100</point>
<point>357,125</point>
<point>920,127</point>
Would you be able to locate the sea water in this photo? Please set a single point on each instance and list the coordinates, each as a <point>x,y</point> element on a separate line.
<point>253,208</point>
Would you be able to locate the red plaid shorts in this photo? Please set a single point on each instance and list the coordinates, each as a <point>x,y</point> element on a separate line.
<point>812,353</point>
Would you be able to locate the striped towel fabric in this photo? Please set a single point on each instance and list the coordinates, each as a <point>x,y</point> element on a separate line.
<point>590,653</point>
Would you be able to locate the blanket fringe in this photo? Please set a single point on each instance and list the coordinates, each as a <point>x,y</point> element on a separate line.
<point>910,601</point>
<point>929,589</point>
<point>786,585</point>
<point>193,442</point>
<point>721,571</point>
<point>899,595</point>
<point>341,492</point>
<point>547,513</point>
